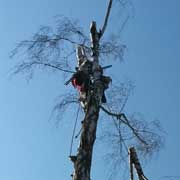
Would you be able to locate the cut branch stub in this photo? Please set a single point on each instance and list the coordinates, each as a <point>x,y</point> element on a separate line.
<point>94,41</point>
<point>80,54</point>
<point>135,161</point>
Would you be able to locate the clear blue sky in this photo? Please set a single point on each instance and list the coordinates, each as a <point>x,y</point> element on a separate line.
<point>31,147</point>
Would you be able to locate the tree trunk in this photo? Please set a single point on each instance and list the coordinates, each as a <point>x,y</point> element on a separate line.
<point>82,162</point>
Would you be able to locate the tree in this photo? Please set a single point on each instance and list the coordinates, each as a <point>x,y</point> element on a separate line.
<point>54,50</point>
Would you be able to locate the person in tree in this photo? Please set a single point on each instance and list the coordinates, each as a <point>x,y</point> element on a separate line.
<point>83,79</point>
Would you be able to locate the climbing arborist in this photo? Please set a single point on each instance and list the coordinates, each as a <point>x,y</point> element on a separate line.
<point>83,79</point>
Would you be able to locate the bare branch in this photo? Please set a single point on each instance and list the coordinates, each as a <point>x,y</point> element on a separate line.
<point>26,66</point>
<point>106,18</point>
<point>148,140</point>
<point>122,117</point>
<point>118,94</point>
<point>112,49</point>
<point>51,48</point>
<point>64,101</point>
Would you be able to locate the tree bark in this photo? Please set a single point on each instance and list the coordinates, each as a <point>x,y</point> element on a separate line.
<point>134,160</point>
<point>82,165</point>
<point>83,159</point>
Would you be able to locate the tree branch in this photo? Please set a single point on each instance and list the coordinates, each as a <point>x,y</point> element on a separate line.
<point>106,18</point>
<point>63,102</point>
<point>126,122</point>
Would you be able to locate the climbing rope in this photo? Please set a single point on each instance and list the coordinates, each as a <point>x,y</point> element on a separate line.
<point>74,129</point>
<point>77,135</point>
<point>118,125</point>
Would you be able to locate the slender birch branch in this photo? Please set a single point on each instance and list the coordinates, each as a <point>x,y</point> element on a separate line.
<point>106,18</point>
<point>126,122</point>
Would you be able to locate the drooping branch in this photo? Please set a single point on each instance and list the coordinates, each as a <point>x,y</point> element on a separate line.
<point>63,103</point>
<point>122,117</point>
<point>112,49</point>
<point>30,65</point>
<point>44,41</point>
<point>144,135</point>
<point>50,47</point>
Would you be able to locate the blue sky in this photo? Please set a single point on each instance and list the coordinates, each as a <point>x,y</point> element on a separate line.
<point>32,148</point>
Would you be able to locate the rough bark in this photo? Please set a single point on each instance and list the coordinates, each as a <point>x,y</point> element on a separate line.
<point>82,164</point>
<point>83,159</point>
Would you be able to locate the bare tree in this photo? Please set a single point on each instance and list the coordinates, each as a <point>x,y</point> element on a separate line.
<point>53,49</point>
